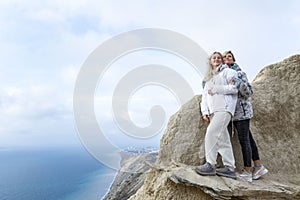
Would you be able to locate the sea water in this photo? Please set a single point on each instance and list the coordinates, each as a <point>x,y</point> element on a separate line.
<point>52,174</point>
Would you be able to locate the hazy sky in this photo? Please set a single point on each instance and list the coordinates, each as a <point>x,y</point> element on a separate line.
<point>45,43</point>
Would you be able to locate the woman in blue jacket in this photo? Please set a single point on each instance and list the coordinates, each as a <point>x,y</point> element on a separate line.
<point>241,120</point>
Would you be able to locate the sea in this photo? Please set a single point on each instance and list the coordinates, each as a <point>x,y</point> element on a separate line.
<point>52,174</point>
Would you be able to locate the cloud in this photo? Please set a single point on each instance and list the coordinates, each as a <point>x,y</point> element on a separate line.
<point>37,107</point>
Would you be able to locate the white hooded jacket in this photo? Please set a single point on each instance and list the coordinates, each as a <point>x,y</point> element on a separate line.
<point>224,96</point>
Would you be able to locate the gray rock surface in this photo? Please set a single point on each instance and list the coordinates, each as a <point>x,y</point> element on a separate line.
<point>275,127</point>
<point>131,176</point>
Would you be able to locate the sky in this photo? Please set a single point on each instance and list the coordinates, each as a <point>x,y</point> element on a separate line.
<point>46,43</point>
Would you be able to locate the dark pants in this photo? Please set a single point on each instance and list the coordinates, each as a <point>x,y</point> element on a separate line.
<point>249,148</point>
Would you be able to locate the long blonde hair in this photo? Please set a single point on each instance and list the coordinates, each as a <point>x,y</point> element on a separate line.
<point>210,71</point>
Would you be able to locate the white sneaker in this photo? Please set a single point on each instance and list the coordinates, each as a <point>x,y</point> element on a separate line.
<point>245,176</point>
<point>258,172</point>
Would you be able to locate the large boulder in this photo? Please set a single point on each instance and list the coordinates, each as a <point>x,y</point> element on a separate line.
<point>276,122</point>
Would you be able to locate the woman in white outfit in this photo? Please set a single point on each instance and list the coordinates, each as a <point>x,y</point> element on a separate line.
<point>218,105</point>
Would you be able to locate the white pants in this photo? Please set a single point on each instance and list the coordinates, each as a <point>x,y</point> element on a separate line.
<point>217,140</point>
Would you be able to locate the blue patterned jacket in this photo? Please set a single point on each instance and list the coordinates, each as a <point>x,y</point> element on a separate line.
<point>243,108</point>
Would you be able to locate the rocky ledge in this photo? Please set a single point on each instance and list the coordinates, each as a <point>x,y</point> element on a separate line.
<point>226,188</point>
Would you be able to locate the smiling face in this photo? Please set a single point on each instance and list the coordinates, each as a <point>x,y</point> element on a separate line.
<point>228,59</point>
<point>216,59</point>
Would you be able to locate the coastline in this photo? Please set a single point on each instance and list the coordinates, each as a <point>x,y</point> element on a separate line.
<point>95,186</point>
<point>109,187</point>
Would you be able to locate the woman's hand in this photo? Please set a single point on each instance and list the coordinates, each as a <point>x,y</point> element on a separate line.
<point>205,118</point>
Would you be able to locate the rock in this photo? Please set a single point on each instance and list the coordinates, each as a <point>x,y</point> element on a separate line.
<point>131,176</point>
<point>275,127</point>
<point>276,122</point>
<point>226,188</point>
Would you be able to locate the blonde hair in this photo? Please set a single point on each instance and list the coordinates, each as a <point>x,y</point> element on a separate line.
<point>210,73</point>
